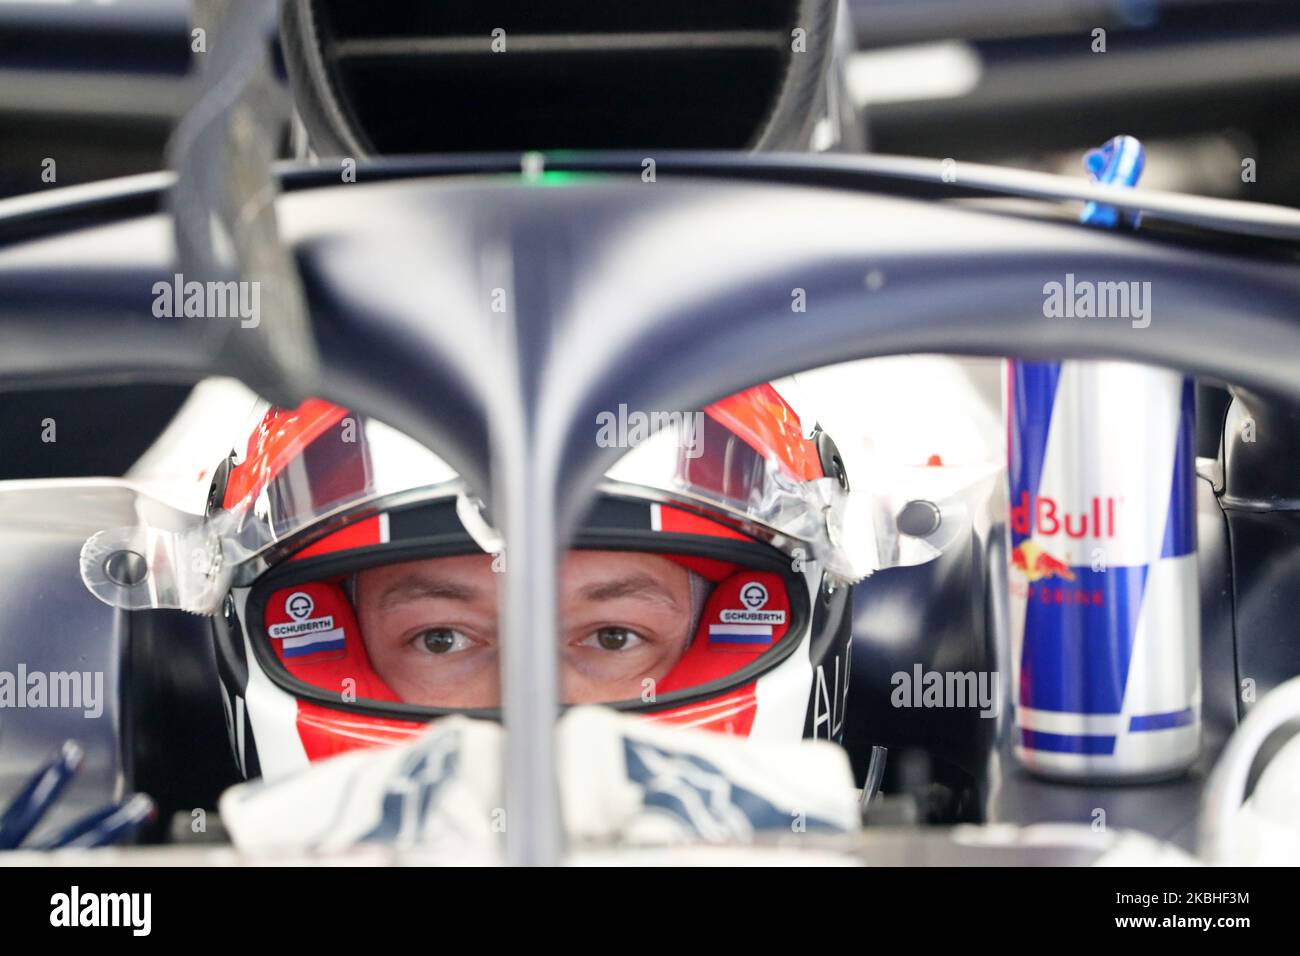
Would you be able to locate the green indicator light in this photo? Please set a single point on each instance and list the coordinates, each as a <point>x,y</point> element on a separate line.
<point>557,178</point>
<point>534,172</point>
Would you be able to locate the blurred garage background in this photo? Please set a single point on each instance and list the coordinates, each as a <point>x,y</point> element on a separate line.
<point>1205,84</point>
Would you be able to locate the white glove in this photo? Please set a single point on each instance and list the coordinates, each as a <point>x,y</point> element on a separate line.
<point>622,779</point>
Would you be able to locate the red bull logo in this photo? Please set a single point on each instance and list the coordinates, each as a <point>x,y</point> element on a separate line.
<point>1041,515</point>
<point>1036,564</point>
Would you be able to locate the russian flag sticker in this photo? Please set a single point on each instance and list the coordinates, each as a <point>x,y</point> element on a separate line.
<point>316,643</point>
<point>740,635</point>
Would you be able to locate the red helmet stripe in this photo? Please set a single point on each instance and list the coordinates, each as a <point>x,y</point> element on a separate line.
<point>362,534</point>
<point>278,439</point>
<point>770,426</point>
<point>732,713</point>
<point>325,732</point>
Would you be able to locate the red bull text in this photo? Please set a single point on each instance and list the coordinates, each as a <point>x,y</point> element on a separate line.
<point>1105,615</point>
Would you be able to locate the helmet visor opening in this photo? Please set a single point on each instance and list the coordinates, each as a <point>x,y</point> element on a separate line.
<point>647,621</point>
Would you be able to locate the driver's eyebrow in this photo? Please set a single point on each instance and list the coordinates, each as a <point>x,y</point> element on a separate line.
<point>642,587</point>
<point>415,587</point>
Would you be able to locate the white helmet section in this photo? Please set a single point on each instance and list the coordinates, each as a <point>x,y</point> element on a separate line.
<point>272,714</point>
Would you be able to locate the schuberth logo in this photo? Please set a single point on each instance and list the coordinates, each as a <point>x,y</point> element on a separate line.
<point>754,596</point>
<point>300,607</point>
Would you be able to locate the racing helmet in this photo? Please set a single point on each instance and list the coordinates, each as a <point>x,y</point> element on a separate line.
<point>351,580</point>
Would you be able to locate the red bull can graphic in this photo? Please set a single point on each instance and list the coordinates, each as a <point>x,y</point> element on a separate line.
<point>1105,615</point>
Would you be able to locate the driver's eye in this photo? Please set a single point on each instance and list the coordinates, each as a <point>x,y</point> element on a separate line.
<point>613,639</point>
<point>442,640</point>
